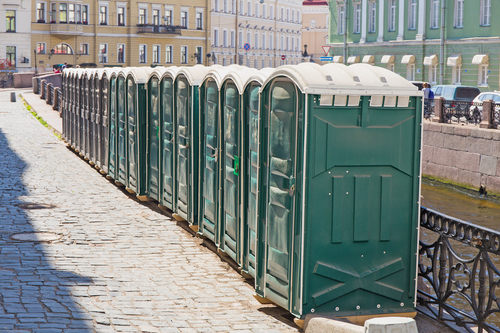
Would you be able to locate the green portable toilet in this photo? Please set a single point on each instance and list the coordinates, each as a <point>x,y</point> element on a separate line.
<point>120,126</point>
<point>231,157</point>
<point>80,110</point>
<point>64,105</point>
<point>168,144</point>
<point>210,153</point>
<point>101,119</point>
<point>160,134</point>
<point>249,167</point>
<point>92,109</point>
<point>339,200</point>
<point>111,74</point>
<point>104,91</point>
<point>135,124</point>
<point>186,87</point>
<point>86,113</point>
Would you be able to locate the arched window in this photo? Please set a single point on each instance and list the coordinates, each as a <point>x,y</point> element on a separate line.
<point>63,48</point>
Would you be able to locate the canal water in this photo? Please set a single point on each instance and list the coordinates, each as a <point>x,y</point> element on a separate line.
<point>470,207</point>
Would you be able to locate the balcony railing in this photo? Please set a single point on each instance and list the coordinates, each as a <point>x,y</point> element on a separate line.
<point>159,29</point>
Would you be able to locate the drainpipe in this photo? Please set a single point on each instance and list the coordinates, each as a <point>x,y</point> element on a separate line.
<point>345,32</point>
<point>441,55</point>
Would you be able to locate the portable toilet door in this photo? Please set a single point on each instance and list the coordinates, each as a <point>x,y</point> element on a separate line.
<point>64,85</point>
<point>187,106</point>
<point>121,175</point>
<point>210,154</point>
<point>168,121</point>
<point>104,108</point>
<point>113,140</point>
<point>92,133</point>
<point>76,110</point>
<point>98,118</point>
<point>86,114</point>
<point>154,127</point>
<point>81,112</point>
<point>250,152</point>
<point>73,124</point>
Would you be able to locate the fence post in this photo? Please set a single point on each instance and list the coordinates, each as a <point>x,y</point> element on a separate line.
<point>42,91</point>
<point>48,98</point>
<point>488,115</point>
<point>438,110</point>
<point>55,102</point>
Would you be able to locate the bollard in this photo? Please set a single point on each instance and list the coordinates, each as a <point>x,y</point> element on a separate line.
<point>13,97</point>
<point>438,110</point>
<point>488,114</point>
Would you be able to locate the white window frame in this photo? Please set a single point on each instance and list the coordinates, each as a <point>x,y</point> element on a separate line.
<point>356,24</point>
<point>101,4</point>
<point>233,38</point>
<point>412,14</point>
<point>216,5</point>
<point>158,8</point>
<point>392,16</point>
<point>341,18</point>
<point>456,74</point>
<point>156,47</point>
<point>171,10</point>
<point>224,6</point>
<point>224,38</point>
<point>410,72</point>
<point>433,74</point>
<point>145,54</point>
<point>271,41</point>
<point>482,79</point>
<point>485,13</point>
<point>83,11</point>
<point>391,67</point>
<point>199,50</point>
<point>216,37</point>
<point>240,39</point>
<point>271,12</point>
<point>185,10</point>
<point>256,40</point>
<point>119,5</point>
<point>435,11</point>
<point>256,13</point>
<point>202,13</point>
<point>241,7</point>
<point>88,49</point>
<point>263,41</point>
<point>185,48</point>
<point>145,7</point>
<point>372,16</point>
<point>249,8</point>
<point>104,55</point>
<point>459,13</point>
<point>118,52</point>
<point>44,10</point>
<point>233,6</point>
<point>171,48</point>
<point>44,47</point>
<point>264,11</point>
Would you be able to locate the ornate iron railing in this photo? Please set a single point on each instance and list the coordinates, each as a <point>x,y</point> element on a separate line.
<point>456,288</point>
<point>462,112</point>
<point>159,29</point>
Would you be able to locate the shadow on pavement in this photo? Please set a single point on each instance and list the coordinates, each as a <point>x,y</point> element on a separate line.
<point>34,295</point>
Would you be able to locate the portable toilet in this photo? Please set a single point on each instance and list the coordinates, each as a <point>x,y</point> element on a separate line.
<point>107,96</point>
<point>249,167</point>
<point>119,124</point>
<point>86,113</point>
<point>168,144</point>
<point>135,135</point>
<point>210,153</point>
<point>186,87</point>
<point>339,203</point>
<point>91,108</point>
<point>64,105</point>
<point>111,74</point>
<point>80,111</point>
<point>100,120</point>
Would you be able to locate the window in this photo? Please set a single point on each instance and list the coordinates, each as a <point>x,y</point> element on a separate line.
<point>456,74</point>
<point>240,39</point>
<point>282,14</point>
<point>224,38</point>
<point>412,17</point>
<point>249,10</point>
<point>184,54</point>
<point>223,61</point>
<point>62,48</point>
<point>232,38</point>
<point>263,63</point>
<point>390,67</point>
<point>199,20</point>
<point>103,53</point>
<point>264,11</point>
<point>483,75</point>
<point>85,14</point>
<point>249,38</point>
<point>79,14</point>
<point>168,17</point>
<point>293,15</point>
<point>121,53</point>
<point>271,12</point>
<point>225,6</point>
<point>184,19</point>
<point>53,9</point>
<point>288,15</point>
<point>373,16</point>
<point>216,5</point>
<point>293,44</point>
<point>282,43</point>
<point>435,10</point>
<point>241,7</point>
<point>142,53</point>
<point>256,41</point>
<point>392,15</point>
<point>199,54</point>
<point>10,16</point>
<point>40,12</point>
<point>168,54</point>
<point>271,41</point>
<point>410,72</point>
<point>433,74</point>
<point>156,54</point>
<point>485,12</point>
<point>263,41</point>
<point>156,17</point>
<point>63,13</point>
<point>84,49</point>
<point>459,13</point>
<point>357,18</point>
<point>256,9</point>
<point>10,52</point>
<point>121,16</point>
<point>216,37</point>
<point>40,48</point>
<point>103,15</point>
<point>142,15</point>
<point>233,6</point>
<point>71,13</point>
<point>341,19</point>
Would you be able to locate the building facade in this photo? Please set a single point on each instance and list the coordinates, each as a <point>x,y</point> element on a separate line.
<point>408,37</point>
<point>118,33</point>
<point>15,35</point>
<point>315,31</point>
<point>271,30</point>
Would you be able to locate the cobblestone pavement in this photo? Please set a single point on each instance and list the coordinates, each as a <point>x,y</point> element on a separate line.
<point>118,266</point>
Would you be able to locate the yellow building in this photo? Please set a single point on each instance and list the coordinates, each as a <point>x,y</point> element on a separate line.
<point>119,33</point>
<point>315,28</point>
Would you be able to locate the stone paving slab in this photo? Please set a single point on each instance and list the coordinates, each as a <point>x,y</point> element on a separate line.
<point>118,266</point>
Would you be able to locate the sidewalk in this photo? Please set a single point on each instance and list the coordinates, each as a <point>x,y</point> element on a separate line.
<point>138,270</point>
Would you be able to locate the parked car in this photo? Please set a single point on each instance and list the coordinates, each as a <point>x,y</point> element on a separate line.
<point>493,95</point>
<point>456,93</point>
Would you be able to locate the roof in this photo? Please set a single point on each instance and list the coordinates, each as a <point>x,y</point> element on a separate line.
<point>240,77</point>
<point>194,74</point>
<point>218,74</point>
<point>140,74</point>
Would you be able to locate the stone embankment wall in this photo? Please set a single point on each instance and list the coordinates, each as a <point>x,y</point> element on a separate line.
<point>465,155</point>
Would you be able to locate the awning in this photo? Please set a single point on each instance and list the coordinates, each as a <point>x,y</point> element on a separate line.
<point>387,59</point>
<point>454,60</point>
<point>369,59</point>
<point>480,59</point>
<point>353,60</point>
<point>431,60</point>
<point>408,59</point>
<point>338,59</point>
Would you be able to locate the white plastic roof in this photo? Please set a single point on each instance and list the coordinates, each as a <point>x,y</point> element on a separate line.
<point>100,71</point>
<point>480,59</point>
<point>240,77</point>
<point>158,72</point>
<point>218,74</point>
<point>140,74</point>
<point>110,71</point>
<point>171,71</point>
<point>454,60</point>
<point>260,76</point>
<point>431,60</point>
<point>194,74</point>
<point>338,79</point>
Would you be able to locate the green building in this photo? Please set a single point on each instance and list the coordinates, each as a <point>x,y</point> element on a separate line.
<point>407,37</point>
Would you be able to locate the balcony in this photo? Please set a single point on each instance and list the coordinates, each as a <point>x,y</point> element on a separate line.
<point>66,29</point>
<point>159,29</point>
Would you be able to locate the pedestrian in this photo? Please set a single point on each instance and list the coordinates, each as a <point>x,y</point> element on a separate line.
<point>426,90</point>
<point>63,67</point>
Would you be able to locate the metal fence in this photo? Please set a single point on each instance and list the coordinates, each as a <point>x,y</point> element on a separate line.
<point>461,112</point>
<point>458,274</point>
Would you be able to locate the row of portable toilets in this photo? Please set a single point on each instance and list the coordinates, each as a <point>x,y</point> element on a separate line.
<point>307,176</point>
